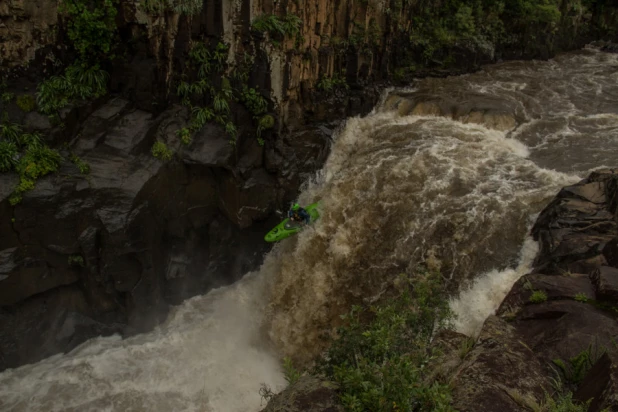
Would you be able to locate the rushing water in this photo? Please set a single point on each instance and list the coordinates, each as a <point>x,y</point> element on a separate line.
<point>450,173</point>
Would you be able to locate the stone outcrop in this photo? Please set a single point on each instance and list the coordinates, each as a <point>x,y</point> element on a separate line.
<point>499,368</point>
<point>108,251</point>
<point>308,394</point>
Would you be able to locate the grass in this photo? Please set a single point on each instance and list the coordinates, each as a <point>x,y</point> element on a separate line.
<point>26,103</point>
<point>538,296</point>
<point>76,260</point>
<point>84,168</point>
<point>581,297</point>
<point>290,373</point>
<point>380,364</point>
<point>575,369</point>
<point>161,151</point>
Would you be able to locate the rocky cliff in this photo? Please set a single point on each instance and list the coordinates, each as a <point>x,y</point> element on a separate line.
<point>108,251</point>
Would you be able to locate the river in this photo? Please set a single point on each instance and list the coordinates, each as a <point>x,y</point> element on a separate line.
<point>449,173</point>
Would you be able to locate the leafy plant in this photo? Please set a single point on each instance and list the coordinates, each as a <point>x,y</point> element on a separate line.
<point>10,131</point>
<point>329,84</point>
<point>7,97</point>
<point>76,260</point>
<point>185,136</point>
<point>290,373</point>
<point>26,102</point>
<point>380,365</point>
<point>78,81</point>
<point>38,160</point>
<point>160,151</point>
<point>538,296</point>
<point>581,297</point>
<point>188,7</point>
<point>465,347</point>
<point>8,155</point>
<point>84,168</point>
<point>254,101</point>
<point>201,116</point>
<point>575,369</point>
<point>91,27</point>
<point>288,25</point>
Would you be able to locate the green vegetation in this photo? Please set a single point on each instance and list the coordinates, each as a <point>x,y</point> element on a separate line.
<point>84,168</point>
<point>290,373</point>
<point>581,297</point>
<point>160,151</point>
<point>157,7</point>
<point>436,30</point>
<point>330,84</point>
<point>538,296</point>
<point>26,154</point>
<point>210,96</point>
<point>380,365</point>
<point>277,27</point>
<point>465,347</point>
<point>76,260</point>
<point>7,97</point>
<point>26,103</point>
<point>575,369</point>
<point>91,29</point>
<point>185,136</point>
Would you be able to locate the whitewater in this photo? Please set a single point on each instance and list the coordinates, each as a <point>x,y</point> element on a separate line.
<point>449,173</point>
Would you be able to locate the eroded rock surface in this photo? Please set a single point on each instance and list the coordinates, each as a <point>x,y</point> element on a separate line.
<point>109,251</point>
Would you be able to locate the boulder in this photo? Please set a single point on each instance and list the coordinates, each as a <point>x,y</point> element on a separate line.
<point>605,280</point>
<point>135,234</point>
<point>498,371</point>
<point>308,394</point>
<point>601,385</point>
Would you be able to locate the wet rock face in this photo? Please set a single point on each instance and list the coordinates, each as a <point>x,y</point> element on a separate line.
<point>566,307</point>
<point>499,368</point>
<point>107,252</point>
<point>308,394</point>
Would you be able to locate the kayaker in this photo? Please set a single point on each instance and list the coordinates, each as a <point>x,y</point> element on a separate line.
<point>298,214</point>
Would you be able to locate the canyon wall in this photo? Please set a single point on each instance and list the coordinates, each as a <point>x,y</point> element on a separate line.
<point>108,252</point>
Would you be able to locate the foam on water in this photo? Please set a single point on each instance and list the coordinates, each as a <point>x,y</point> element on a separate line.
<point>208,356</point>
<point>395,191</point>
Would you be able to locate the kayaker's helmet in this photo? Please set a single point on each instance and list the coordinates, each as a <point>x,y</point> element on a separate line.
<point>295,207</point>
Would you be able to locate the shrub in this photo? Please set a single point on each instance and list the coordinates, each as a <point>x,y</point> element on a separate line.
<point>288,25</point>
<point>290,373</point>
<point>538,296</point>
<point>79,81</point>
<point>84,168</point>
<point>581,297</point>
<point>26,102</point>
<point>329,84</point>
<point>189,7</point>
<point>8,155</point>
<point>38,160</point>
<point>76,260</point>
<point>380,365</point>
<point>160,151</point>
<point>91,27</point>
<point>7,97</point>
<point>10,132</point>
<point>254,101</point>
<point>185,136</point>
<point>575,369</point>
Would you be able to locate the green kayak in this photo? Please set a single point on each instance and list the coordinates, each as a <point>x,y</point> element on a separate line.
<point>288,227</point>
